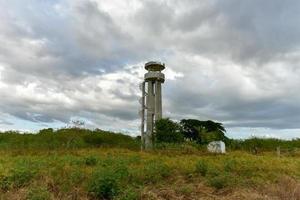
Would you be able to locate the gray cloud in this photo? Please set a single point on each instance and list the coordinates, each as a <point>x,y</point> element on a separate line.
<point>232,61</point>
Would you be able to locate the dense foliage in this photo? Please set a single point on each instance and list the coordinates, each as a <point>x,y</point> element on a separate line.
<point>66,138</point>
<point>168,131</point>
<point>201,132</point>
<point>192,132</point>
<point>257,145</point>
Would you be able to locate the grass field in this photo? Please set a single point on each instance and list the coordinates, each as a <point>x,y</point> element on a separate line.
<point>116,173</point>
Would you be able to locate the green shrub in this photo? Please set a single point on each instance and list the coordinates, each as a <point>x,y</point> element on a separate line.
<point>76,176</point>
<point>21,176</point>
<point>155,171</point>
<point>4,183</point>
<point>104,185</point>
<point>90,161</point>
<point>214,171</point>
<point>121,171</point>
<point>201,167</point>
<point>66,177</point>
<point>38,193</point>
<point>46,131</point>
<point>17,177</point>
<point>150,172</point>
<point>219,182</point>
<point>230,165</point>
<point>93,139</point>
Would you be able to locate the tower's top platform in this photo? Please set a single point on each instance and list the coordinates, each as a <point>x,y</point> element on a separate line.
<point>154,66</point>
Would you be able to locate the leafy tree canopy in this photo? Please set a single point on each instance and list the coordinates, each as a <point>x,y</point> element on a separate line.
<point>189,129</point>
<point>202,131</point>
<point>168,131</point>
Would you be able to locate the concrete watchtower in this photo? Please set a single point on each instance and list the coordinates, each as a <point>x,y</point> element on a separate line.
<point>151,101</point>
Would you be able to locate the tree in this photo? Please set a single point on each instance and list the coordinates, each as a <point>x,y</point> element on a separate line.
<point>202,131</point>
<point>168,131</point>
<point>46,131</point>
<point>190,129</point>
<point>77,124</point>
<point>211,126</point>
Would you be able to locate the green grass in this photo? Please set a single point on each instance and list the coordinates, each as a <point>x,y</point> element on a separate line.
<point>83,164</point>
<point>125,174</point>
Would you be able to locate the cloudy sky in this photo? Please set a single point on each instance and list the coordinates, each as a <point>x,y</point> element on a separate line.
<point>233,61</point>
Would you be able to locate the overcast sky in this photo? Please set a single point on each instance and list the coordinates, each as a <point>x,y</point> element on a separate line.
<point>233,61</point>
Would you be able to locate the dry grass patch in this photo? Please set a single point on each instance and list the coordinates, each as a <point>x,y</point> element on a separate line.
<point>286,188</point>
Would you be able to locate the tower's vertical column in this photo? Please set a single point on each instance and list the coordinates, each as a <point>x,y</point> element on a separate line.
<point>143,102</point>
<point>153,78</point>
<point>150,115</point>
<point>158,101</point>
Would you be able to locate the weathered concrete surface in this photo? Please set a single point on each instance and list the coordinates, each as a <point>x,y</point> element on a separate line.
<point>153,108</point>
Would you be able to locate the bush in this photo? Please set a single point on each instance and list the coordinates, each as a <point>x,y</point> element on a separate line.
<point>104,185</point>
<point>38,193</point>
<point>230,165</point>
<point>93,139</point>
<point>154,171</point>
<point>218,182</point>
<point>76,176</point>
<point>4,183</point>
<point>21,177</point>
<point>90,161</point>
<point>18,177</point>
<point>121,171</point>
<point>201,167</point>
<point>46,131</point>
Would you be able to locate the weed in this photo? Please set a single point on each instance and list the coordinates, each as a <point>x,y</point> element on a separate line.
<point>230,165</point>
<point>21,176</point>
<point>129,194</point>
<point>201,167</point>
<point>90,161</point>
<point>104,184</point>
<point>185,189</point>
<point>154,171</point>
<point>121,171</point>
<point>4,183</point>
<point>38,193</point>
<point>218,182</point>
<point>76,176</point>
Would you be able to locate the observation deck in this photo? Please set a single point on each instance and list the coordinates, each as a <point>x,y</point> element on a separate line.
<point>154,66</point>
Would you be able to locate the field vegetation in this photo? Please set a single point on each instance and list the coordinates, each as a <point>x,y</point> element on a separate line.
<point>76,163</point>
